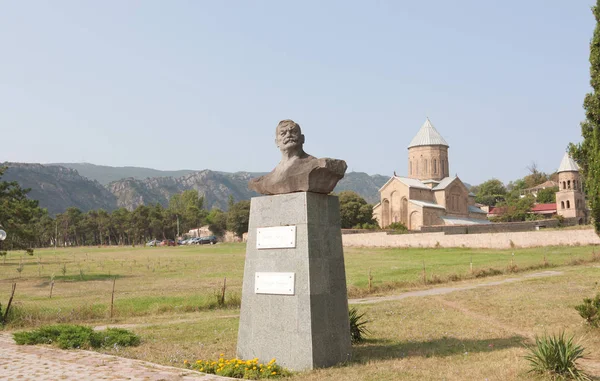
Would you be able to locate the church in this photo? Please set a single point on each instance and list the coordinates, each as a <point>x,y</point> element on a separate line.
<point>428,196</point>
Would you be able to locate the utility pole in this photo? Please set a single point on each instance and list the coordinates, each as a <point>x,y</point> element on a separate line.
<point>177,226</point>
<point>55,233</point>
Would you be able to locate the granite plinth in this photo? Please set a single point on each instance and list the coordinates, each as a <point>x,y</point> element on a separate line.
<point>309,329</point>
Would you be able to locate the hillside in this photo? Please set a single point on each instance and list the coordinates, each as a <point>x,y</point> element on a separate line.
<point>215,186</point>
<point>105,174</point>
<point>58,188</point>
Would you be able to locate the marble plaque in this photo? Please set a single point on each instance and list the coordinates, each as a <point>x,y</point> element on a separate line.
<point>276,237</point>
<point>274,283</point>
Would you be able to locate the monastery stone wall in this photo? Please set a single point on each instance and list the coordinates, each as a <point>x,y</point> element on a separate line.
<point>503,240</point>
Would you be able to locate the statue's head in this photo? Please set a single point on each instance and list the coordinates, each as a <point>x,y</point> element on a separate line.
<point>288,136</point>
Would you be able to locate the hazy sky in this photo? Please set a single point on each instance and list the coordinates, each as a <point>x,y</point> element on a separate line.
<point>199,84</point>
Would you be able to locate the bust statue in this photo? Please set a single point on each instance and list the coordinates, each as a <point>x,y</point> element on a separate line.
<point>298,171</point>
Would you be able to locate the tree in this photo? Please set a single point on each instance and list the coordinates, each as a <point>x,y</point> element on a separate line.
<point>515,209</point>
<point>490,192</point>
<point>354,210</point>
<point>217,222</point>
<point>17,215</point>
<point>547,196</point>
<point>587,153</point>
<point>188,207</point>
<point>238,218</point>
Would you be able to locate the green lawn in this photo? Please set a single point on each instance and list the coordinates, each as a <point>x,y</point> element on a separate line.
<point>151,281</point>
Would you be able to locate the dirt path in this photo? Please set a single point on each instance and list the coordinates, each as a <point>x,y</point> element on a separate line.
<point>447,290</point>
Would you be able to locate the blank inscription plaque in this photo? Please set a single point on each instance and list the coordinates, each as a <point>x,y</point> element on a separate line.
<point>276,237</point>
<point>274,283</point>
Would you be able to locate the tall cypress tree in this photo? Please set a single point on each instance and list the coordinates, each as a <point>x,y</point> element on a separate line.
<point>587,153</point>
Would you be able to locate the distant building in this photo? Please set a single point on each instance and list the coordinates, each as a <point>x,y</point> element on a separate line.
<point>570,200</point>
<point>428,196</point>
<point>534,190</point>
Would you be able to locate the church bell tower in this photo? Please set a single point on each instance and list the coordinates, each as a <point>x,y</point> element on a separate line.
<point>570,200</point>
<point>428,155</point>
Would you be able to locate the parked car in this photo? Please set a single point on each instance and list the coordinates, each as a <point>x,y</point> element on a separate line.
<point>154,242</point>
<point>168,242</point>
<point>206,240</point>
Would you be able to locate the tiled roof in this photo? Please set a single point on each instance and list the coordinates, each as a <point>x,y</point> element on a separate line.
<point>543,207</point>
<point>567,164</point>
<point>547,184</point>
<point>463,221</point>
<point>411,182</point>
<point>426,204</point>
<point>427,136</point>
<point>444,183</point>
<point>474,209</point>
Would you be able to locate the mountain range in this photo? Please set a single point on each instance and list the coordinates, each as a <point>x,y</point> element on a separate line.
<point>88,186</point>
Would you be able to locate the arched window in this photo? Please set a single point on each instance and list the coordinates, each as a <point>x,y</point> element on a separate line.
<point>443,166</point>
<point>564,185</point>
<point>435,166</point>
<point>562,204</point>
<point>568,204</point>
<point>425,171</point>
<point>569,184</point>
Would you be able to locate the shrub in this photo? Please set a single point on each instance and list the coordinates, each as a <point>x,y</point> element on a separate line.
<point>398,226</point>
<point>556,356</point>
<point>68,336</point>
<point>489,272</point>
<point>358,326</point>
<point>114,337</point>
<point>236,368</point>
<point>590,310</point>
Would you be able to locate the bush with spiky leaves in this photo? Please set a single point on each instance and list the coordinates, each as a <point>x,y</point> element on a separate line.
<point>590,310</point>
<point>358,326</point>
<point>555,356</point>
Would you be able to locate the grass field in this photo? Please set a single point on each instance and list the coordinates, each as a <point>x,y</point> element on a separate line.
<point>168,296</point>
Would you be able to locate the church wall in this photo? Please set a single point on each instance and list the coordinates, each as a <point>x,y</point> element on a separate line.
<point>478,216</point>
<point>377,214</point>
<point>421,195</point>
<point>570,204</point>
<point>457,200</point>
<point>394,204</point>
<point>415,217</point>
<point>428,162</point>
<point>440,197</point>
<point>569,181</point>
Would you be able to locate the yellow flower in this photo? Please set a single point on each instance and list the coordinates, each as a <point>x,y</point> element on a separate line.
<point>185,361</point>
<point>272,361</point>
<point>222,354</point>
<point>199,362</point>
<point>253,368</point>
<point>269,367</point>
<point>273,373</point>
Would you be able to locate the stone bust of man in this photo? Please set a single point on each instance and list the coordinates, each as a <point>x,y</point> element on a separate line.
<point>298,171</point>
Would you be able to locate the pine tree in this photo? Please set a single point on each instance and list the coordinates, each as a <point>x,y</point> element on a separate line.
<point>587,153</point>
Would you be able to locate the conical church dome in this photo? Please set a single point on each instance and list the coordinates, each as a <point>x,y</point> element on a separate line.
<point>567,164</point>
<point>428,136</point>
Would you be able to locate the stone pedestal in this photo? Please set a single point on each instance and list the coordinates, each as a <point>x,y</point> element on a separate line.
<point>309,328</point>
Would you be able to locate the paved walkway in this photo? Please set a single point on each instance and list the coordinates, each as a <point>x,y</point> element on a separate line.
<point>36,362</point>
